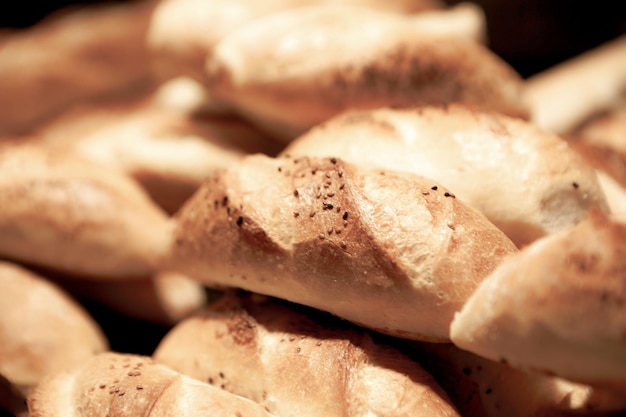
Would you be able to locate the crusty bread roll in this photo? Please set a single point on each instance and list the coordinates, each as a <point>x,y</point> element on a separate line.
<point>298,363</point>
<point>525,180</point>
<point>68,214</point>
<point>167,149</point>
<point>42,329</point>
<point>127,385</point>
<point>480,387</point>
<point>565,95</point>
<point>556,307</point>
<point>164,298</point>
<point>389,250</point>
<point>89,53</point>
<point>292,70</point>
<point>183,33</point>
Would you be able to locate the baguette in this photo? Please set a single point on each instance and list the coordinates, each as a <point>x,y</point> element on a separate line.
<point>569,93</point>
<point>83,54</point>
<point>292,70</point>
<point>164,298</point>
<point>480,387</point>
<point>42,328</point>
<point>298,362</point>
<point>128,385</point>
<point>182,33</point>
<point>168,150</point>
<point>392,251</point>
<point>528,182</point>
<point>556,307</point>
<point>63,213</point>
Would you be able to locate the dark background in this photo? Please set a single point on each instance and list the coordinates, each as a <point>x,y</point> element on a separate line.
<point>529,34</point>
<point>532,35</point>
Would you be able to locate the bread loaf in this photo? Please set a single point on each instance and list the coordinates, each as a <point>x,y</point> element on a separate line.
<point>292,70</point>
<point>389,250</point>
<point>168,150</point>
<point>164,298</point>
<point>298,362</point>
<point>556,307</point>
<point>567,94</point>
<point>42,328</point>
<point>67,214</point>
<point>480,387</point>
<point>527,181</point>
<point>183,33</point>
<point>83,54</point>
<point>127,385</point>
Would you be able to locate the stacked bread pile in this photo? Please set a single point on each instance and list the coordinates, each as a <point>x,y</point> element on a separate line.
<point>352,209</point>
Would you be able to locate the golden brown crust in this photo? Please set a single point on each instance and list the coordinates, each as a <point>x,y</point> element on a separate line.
<point>293,70</point>
<point>42,328</point>
<point>298,362</point>
<point>528,182</point>
<point>557,306</point>
<point>68,214</point>
<point>123,385</point>
<point>348,240</point>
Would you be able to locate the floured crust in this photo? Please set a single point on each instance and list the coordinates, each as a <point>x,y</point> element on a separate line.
<point>391,251</point>
<point>118,384</point>
<point>292,70</point>
<point>296,363</point>
<point>556,307</point>
<point>68,214</point>
<point>42,328</point>
<point>527,181</point>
